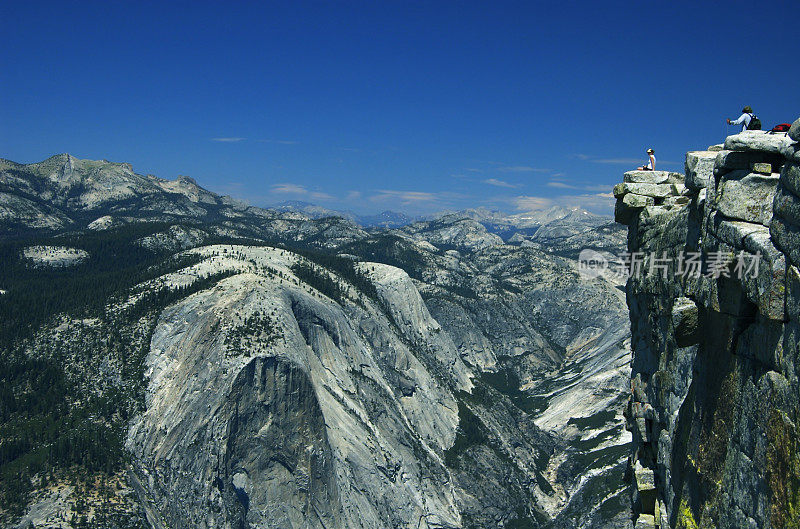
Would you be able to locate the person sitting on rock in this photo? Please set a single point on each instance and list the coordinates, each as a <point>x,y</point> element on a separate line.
<point>744,119</point>
<point>651,163</point>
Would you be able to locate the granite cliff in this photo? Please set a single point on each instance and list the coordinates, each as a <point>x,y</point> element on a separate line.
<point>175,359</point>
<point>714,406</point>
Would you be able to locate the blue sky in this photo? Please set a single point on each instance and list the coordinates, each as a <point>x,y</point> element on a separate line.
<point>410,106</point>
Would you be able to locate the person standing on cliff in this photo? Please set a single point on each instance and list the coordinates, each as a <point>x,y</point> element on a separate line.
<point>743,120</point>
<point>651,163</point>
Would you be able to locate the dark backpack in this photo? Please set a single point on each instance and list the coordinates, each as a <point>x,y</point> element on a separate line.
<point>755,123</point>
<point>781,127</point>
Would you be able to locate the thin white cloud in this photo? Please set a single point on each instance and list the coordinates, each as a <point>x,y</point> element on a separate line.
<point>526,203</point>
<point>293,189</point>
<point>601,203</point>
<point>280,142</point>
<point>405,196</point>
<point>353,195</point>
<point>228,140</point>
<point>419,201</point>
<point>500,183</point>
<point>561,185</point>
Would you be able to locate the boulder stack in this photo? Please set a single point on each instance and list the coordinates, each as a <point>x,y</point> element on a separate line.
<point>642,189</point>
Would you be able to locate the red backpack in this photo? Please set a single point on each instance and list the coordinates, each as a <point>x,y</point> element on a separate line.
<point>782,127</point>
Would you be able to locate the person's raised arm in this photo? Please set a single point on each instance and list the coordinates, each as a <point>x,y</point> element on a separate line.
<point>738,121</point>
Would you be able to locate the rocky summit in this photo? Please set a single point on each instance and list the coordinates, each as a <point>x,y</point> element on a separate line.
<point>713,299</point>
<point>173,358</point>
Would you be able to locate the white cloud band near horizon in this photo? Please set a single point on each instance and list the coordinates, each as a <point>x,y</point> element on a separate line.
<point>302,191</point>
<point>427,202</point>
<point>500,183</point>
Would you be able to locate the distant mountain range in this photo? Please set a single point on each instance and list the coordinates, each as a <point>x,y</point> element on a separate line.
<point>64,193</point>
<point>494,220</point>
<point>386,219</point>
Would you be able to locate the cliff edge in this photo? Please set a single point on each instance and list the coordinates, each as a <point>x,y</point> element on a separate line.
<point>714,296</point>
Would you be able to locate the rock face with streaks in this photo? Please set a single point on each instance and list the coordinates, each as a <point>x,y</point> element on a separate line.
<point>362,410</point>
<point>714,399</point>
<point>322,414</point>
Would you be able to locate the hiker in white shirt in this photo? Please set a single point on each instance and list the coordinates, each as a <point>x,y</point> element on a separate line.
<point>651,164</point>
<point>744,119</point>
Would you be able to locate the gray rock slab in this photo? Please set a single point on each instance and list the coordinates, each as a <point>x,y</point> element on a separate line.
<point>786,237</point>
<point>646,177</point>
<point>791,151</point>
<point>764,283</point>
<point>699,168</point>
<point>733,232</point>
<point>786,205</point>
<point>650,190</point>
<point>676,201</point>
<point>634,200</point>
<point>629,206</point>
<point>790,177</point>
<point>653,177</point>
<point>654,211</point>
<point>756,140</point>
<point>794,131</point>
<point>746,197</point>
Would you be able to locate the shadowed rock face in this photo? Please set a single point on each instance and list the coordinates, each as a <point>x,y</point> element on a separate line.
<point>714,391</point>
<point>277,453</point>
